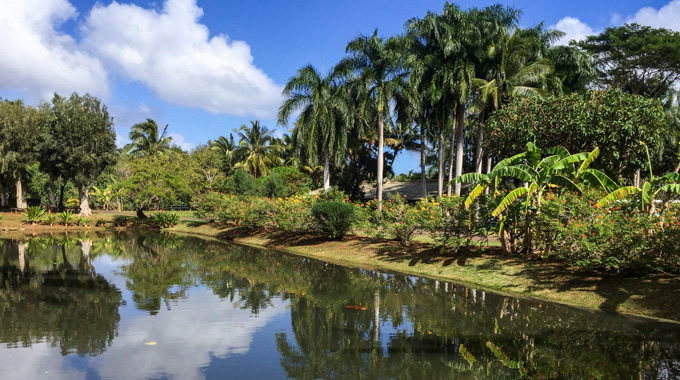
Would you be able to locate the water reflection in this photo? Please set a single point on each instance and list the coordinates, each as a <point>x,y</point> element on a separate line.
<point>216,309</point>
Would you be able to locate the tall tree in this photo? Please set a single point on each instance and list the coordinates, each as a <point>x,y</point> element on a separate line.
<point>227,150</point>
<point>325,118</point>
<point>256,151</point>
<point>147,139</point>
<point>89,139</point>
<point>380,74</point>
<point>19,129</point>
<point>634,58</point>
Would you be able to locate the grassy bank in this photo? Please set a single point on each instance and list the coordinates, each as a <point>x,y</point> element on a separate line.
<point>656,296</point>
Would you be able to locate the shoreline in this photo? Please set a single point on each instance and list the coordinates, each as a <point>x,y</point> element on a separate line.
<point>654,296</point>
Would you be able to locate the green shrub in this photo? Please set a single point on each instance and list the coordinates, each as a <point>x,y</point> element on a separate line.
<point>33,214</point>
<point>332,195</point>
<point>82,221</point>
<point>294,214</point>
<point>121,220</point>
<point>100,223</point>
<point>50,219</point>
<point>241,183</point>
<point>295,182</point>
<point>333,219</point>
<point>67,217</point>
<point>457,227</point>
<point>166,219</point>
<point>271,186</point>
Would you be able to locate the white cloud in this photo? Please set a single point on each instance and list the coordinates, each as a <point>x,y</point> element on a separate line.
<point>574,28</point>
<point>179,140</point>
<point>173,54</point>
<point>38,60</point>
<point>667,16</point>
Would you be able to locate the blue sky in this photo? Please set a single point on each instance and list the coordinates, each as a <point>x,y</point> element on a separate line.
<point>206,66</point>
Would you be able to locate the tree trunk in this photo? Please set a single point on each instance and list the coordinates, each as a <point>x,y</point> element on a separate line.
<point>381,157</point>
<point>326,171</point>
<point>460,140</point>
<point>451,153</point>
<point>440,175</point>
<point>84,196</point>
<point>489,162</point>
<point>140,213</point>
<point>506,244</point>
<point>21,194</point>
<point>423,148</point>
<point>61,195</point>
<point>52,192</point>
<point>478,143</point>
<point>119,206</point>
<point>3,197</point>
<point>636,178</point>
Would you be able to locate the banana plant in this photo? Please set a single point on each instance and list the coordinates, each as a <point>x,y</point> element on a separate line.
<point>668,183</point>
<point>557,168</point>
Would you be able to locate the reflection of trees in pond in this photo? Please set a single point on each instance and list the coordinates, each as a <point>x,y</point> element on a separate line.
<point>505,337</point>
<point>157,274</point>
<point>76,310</point>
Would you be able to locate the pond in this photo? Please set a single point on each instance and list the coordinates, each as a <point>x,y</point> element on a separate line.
<point>166,306</point>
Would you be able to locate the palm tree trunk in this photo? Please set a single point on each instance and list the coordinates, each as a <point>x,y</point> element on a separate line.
<point>460,140</point>
<point>21,194</point>
<point>84,196</point>
<point>440,175</point>
<point>3,197</point>
<point>451,154</point>
<point>326,171</point>
<point>478,143</point>
<point>381,156</point>
<point>423,148</point>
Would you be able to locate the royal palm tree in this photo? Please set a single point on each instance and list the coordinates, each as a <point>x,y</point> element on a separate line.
<point>380,74</point>
<point>256,149</point>
<point>146,139</point>
<point>322,127</point>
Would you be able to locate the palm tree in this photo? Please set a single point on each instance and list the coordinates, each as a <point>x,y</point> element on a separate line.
<point>380,74</point>
<point>511,66</point>
<point>146,139</point>
<point>227,149</point>
<point>256,150</point>
<point>322,127</point>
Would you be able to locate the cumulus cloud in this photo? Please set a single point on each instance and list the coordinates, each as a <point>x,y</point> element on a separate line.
<point>664,17</point>
<point>37,59</point>
<point>574,28</point>
<point>179,140</point>
<point>174,54</point>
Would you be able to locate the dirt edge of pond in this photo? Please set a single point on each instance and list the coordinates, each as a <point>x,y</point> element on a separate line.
<point>654,296</point>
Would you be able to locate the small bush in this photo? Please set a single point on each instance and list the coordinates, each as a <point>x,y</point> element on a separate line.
<point>166,219</point>
<point>67,217</point>
<point>271,186</point>
<point>50,219</point>
<point>33,214</point>
<point>83,221</point>
<point>398,219</point>
<point>333,219</point>
<point>100,223</point>
<point>241,183</point>
<point>294,214</point>
<point>121,220</point>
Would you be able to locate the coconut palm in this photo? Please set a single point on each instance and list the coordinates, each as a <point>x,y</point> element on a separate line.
<point>511,66</point>
<point>147,140</point>
<point>380,74</point>
<point>227,149</point>
<point>322,127</point>
<point>256,150</point>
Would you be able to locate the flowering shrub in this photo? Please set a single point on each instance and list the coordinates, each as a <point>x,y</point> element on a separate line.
<point>399,220</point>
<point>294,214</point>
<point>614,238</point>
<point>207,205</point>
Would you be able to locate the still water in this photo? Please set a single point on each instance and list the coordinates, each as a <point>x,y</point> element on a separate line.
<point>164,306</point>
